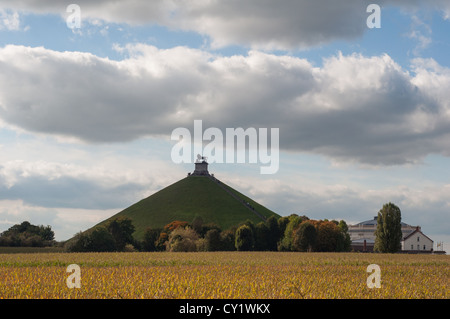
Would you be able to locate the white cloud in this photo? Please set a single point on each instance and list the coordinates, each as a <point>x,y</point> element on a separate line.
<point>65,222</point>
<point>53,184</point>
<point>9,20</point>
<point>273,24</point>
<point>302,192</point>
<point>259,24</point>
<point>353,108</point>
<point>46,173</point>
<point>421,32</point>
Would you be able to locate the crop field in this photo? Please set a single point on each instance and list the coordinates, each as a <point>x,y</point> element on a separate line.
<point>223,275</point>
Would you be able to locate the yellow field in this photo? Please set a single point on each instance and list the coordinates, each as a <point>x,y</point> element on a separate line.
<point>223,275</point>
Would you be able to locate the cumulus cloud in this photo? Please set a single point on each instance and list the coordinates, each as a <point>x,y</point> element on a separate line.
<point>65,222</point>
<point>46,184</point>
<point>88,97</point>
<point>353,108</point>
<point>424,205</point>
<point>274,25</point>
<point>105,185</point>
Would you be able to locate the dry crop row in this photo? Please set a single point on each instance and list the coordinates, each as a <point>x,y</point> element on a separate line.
<point>223,275</point>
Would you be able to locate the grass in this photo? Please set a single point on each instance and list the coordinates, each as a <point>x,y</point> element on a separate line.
<point>189,198</point>
<point>224,275</point>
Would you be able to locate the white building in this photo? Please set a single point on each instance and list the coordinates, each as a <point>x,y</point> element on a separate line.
<point>363,236</point>
<point>417,242</point>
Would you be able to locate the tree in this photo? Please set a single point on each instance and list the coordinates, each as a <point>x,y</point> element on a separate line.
<point>46,233</point>
<point>182,239</point>
<point>213,240</point>
<point>328,235</point>
<point>388,235</point>
<point>304,237</point>
<point>207,227</point>
<point>161,241</point>
<point>122,230</point>
<point>244,238</point>
<point>150,238</point>
<point>101,240</point>
<point>81,242</point>
<point>250,224</point>
<point>174,225</point>
<point>26,234</point>
<point>197,225</point>
<point>115,236</point>
<point>286,242</point>
<point>274,233</point>
<point>31,240</point>
<point>282,224</point>
<point>227,238</point>
<point>98,240</point>
<point>261,237</point>
<point>344,242</point>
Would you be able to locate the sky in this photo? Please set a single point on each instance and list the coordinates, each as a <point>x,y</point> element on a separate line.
<point>87,111</point>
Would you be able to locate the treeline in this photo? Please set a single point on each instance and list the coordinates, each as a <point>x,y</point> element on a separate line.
<point>27,235</point>
<point>117,235</point>
<point>291,233</point>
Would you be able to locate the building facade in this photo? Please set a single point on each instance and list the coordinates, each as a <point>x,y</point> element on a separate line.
<point>363,237</point>
<point>417,242</point>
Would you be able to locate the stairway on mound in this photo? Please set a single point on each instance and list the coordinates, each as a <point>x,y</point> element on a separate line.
<point>242,201</point>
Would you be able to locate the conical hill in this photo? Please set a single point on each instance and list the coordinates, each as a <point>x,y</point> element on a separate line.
<point>191,197</point>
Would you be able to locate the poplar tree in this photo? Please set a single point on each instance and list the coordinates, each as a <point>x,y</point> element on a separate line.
<point>244,238</point>
<point>389,229</point>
